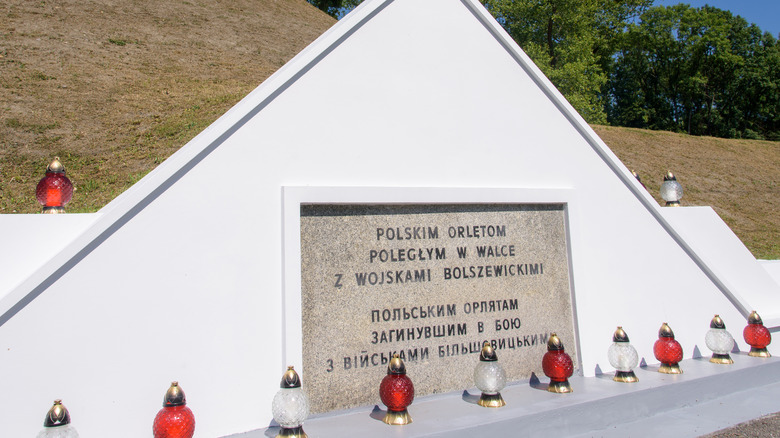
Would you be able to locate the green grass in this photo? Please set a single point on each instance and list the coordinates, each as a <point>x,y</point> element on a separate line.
<point>122,41</point>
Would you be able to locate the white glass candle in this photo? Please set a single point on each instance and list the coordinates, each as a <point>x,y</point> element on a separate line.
<point>490,378</point>
<point>671,190</point>
<point>623,357</point>
<point>66,431</point>
<point>719,341</point>
<point>290,406</point>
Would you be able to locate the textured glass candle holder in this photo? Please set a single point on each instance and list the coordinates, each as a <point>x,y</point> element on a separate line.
<point>623,357</point>
<point>290,406</point>
<point>59,432</point>
<point>671,190</point>
<point>54,190</point>
<point>757,336</point>
<point>668,351</point>
<point>490,378</point>
<point>397,393</point>
<point>558,366</point>
<point>175,419</point>
<point>719,341</point>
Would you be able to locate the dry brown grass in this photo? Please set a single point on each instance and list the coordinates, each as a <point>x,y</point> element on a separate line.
<point>114,88</point>
<point>740,179</point>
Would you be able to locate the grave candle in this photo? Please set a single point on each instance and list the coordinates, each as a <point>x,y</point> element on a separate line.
<point>719,341</point>
<point>671,190</point>
<point>757,336</point>
<point>55,189</point>
<point>290,406</point>
<point>397,393</point>
<point>175,419</point>
<point>668,351</point>
<point>623,357</point>
<point>490,378</point>
<point>557,365</point>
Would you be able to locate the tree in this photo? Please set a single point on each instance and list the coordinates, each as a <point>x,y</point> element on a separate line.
<point>751,103</point>
<point>572,42</point>
<point>695,70</point>
<point>335,8</point>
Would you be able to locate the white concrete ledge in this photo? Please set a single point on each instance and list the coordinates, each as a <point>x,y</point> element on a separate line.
<point>706,398</point>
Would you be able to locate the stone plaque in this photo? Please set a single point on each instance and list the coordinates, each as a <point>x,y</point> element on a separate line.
<point>431,283</point>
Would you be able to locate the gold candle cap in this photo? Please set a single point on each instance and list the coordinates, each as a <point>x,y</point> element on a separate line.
<point>290,379</point>
<point>717,323</point>
<point>174,396</point>
<point>488,353</point>
<point>554,343</point>
<point>396,365</point>
<point>620,335</point>
<point>56,166</point>
<point>58,415</point>
<point>665,331</point>
<point>754,318</point>
<point>669,176</point>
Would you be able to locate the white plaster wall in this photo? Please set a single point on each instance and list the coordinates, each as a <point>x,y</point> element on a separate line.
<point>183,280</point>
<point>30,240</point>
<point>772,267</point>
<point>714,241</point>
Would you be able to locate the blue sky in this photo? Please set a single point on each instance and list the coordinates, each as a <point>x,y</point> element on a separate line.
<point>764,13</point>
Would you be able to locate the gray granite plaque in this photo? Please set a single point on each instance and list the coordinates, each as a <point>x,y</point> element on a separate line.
<point>432,283</point>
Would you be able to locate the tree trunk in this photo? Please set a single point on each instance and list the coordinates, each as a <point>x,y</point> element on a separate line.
<point>550,43</point>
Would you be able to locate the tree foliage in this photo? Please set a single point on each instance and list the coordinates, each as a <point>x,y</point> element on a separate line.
<point>697,70</point>
<point>571,42</point>
<point>335,8</point>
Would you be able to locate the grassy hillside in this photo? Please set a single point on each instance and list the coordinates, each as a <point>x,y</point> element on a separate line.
<point>740,179</point>
<point>114,88</point>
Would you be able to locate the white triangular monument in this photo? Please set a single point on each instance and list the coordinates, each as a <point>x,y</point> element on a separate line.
<point>194,273</point>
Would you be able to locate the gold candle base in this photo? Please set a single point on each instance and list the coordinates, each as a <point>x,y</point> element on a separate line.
<point>723,359</point>
<point>560,387</point>
<point>491,400</point>
<point>397,418</point>
<point>759,352</point>
<point>625,377</point>
<point>670,368</point>
<point>53,210</point>
<point>295,432</point>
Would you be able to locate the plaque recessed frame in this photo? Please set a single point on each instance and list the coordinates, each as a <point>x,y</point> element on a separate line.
<point>294,197</point>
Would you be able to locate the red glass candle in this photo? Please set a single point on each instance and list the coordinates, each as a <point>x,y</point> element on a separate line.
<point>557,365</point>
<point>397,393</point>
<point>668,351</point>
<point>55,189</point>
<point>757,336</point>
<point>175,419</point>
